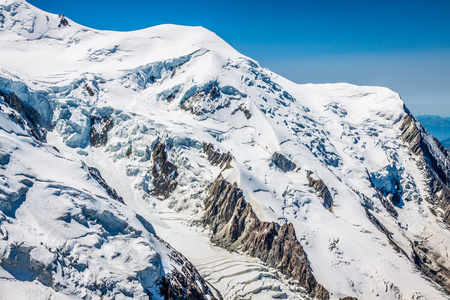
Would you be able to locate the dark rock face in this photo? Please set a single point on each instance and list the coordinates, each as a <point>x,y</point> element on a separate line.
<point>63,21</point>
<point>234,226</point>
<point>205,101</point>
<point>436,164</point>
<point>429,264</point>
<point>109,190</point>
<point>283,163</point>
<point>99,130</point>
<point>216,158</point>
<point>321,189</point>
<point>89,90</point>
<point>243,109</point>
<point>164,172</point>
<point>185,284</point>
<point>438,170</point>
<point>28,115</point>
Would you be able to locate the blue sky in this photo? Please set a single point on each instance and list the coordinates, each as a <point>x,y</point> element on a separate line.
<point>404,45</point>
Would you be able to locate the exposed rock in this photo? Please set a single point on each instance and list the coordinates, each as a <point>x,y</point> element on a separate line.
<point>205,101</point>
<point>429,264</point>
<point>282,162</point>
<point>28,115</point>
<point>164,172</point>
<point>184,284</point>
<point>321,189</point>
<point>435,158</point>
<point>386,232</point>
<point>236,227</point>
<point>109,190</point>
<point>63,21</point>
<point>243,109</point>
<point>216,158</point>
<point>99,130</point>
<point>438,170</point>
<point>89,90</point>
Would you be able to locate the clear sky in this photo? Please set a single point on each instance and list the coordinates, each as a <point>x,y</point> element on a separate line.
<point>404,45</point>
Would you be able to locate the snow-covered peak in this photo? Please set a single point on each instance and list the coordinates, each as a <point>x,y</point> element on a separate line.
<point>164,112</point>
<point>64,46</point>
<point>29,22</point>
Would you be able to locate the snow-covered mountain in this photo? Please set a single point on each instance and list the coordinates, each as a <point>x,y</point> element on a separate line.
<point>119,147</point>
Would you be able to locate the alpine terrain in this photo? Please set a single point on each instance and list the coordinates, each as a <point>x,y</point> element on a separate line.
<point>163,164</point>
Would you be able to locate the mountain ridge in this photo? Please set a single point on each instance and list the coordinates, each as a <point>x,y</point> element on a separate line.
<point>141,107</point>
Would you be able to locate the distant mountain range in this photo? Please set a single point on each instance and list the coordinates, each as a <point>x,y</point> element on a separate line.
<point>439,127</point>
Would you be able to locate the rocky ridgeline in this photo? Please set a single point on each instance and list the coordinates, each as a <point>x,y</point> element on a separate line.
<point>216,158</point>
<point>185,283</point>
<point>321,189</point>
<point>438,176</point>
<point>109,190</point>
<point>235,227</point>
<point>204,100</point>
<point>27,115</point>
<point>438,173</point>
<point>164,172</point>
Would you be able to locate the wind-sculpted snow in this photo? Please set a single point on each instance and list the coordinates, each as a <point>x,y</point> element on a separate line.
<point>162,112</point>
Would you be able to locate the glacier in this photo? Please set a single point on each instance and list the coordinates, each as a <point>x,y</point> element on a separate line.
<point>265,188</point>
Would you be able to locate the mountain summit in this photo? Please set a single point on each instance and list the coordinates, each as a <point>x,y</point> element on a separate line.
<point>163,164</point>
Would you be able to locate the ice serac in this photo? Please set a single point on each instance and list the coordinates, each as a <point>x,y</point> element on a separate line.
<point>235,226</point>
<point>29,115</point>
<point>63,234</point>
<point>190,133</point>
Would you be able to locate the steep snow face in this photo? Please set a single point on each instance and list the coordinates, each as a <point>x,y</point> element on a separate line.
<point>363,204</point>
<point>60,230</point>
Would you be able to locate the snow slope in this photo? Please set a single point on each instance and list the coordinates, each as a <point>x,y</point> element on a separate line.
<point>184,87</point>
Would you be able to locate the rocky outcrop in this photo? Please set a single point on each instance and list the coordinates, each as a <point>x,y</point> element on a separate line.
<point>28,115</point>
<point>216,158</point>
<point>163,171</point>
<point>436,160</point>
<point>205,101</point>
<point>99,130</point>
<point>62,21</point>
<point>234,226</point>
<point>436,164</point>
<point>321,189</point>
<point>430,264</point>
<point>185,283</point>
<point>89,90</point>
<point>109,190</point>
<point>283,163</point>
<point>244,110</point>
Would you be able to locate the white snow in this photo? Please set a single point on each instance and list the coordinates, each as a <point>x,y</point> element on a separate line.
<point>343,133</point>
